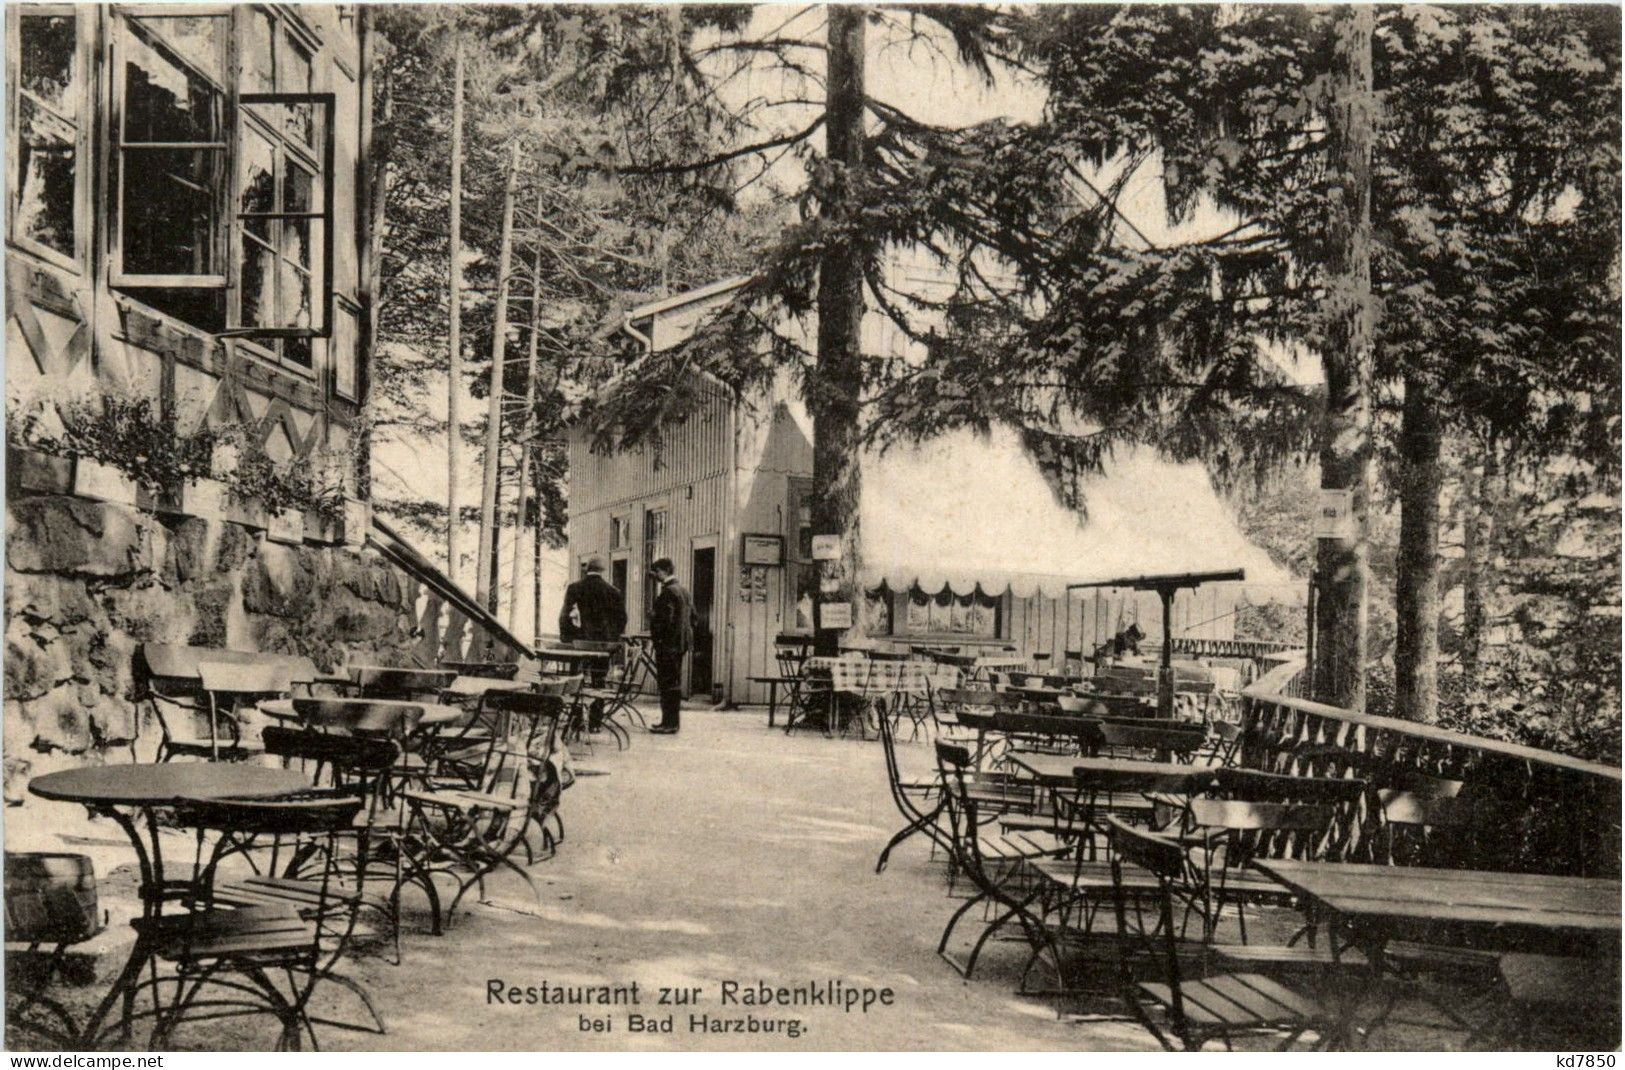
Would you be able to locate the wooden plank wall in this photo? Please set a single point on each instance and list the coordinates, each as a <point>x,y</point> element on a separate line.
<point>688,478</point>
<point>1083,620</point>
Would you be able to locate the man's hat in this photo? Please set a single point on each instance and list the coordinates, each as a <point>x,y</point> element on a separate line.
<point>593,565</point>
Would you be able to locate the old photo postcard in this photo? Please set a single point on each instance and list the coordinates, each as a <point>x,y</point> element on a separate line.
<point>850,527</point>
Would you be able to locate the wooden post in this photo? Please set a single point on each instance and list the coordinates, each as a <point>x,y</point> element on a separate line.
<point>1165,671</point>
<point>1345,446</point>
<point>372,196</point>
<point>485,583</point>
<point>536,577</point>
<point>832,389</point>
<point>454,325</point>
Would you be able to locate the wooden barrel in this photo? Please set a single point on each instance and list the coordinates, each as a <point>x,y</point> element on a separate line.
<point>50,899</point>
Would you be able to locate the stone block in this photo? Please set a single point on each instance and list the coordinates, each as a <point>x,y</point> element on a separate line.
<point>147,612</point>
<point>211,610</point>
<point>187,556</point>
<point>18,771</point>
<point>277,582</point>
<point>41,597</point>
<point>234,545</point>
<point>34,669</point>
<point>114,720</point>
<point>61,720</point>
<point>358,578</point>
<point>388,585</point>
<point>61,534</point>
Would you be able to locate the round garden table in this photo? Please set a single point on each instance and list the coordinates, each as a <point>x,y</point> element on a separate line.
<point>363,714</point>
<point>143,790</point>
<point>399,681</point>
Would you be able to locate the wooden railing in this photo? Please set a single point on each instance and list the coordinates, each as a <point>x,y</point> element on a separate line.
<point>1257,649</point>
<point>469,632</point>
<point>1532,810</point>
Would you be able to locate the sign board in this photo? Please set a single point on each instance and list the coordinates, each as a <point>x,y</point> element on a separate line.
<point>826,547</point>
<point>763,550</point>
<point>1334,514</point>
<point>835,615</point>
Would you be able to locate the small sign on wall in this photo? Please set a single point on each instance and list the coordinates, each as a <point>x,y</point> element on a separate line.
<point>826,547</point>
<point>1334,514</point>
<point>835,615</point>
<point>763,550</point>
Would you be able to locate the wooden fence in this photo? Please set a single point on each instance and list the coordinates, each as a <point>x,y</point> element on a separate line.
<point>1530,810</point>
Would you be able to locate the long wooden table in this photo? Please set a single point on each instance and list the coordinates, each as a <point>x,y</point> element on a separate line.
<point>1461,896</point>
<point>1063,770</point>
<point>1084,731</point>
<point>1371,903</point>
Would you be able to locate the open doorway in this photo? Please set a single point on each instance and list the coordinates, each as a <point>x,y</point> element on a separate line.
<point>704,591</point>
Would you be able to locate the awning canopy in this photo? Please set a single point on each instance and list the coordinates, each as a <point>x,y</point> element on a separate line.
<point>965,510</point>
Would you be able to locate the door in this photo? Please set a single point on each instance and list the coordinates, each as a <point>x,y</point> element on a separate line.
<point>617,576</point>
<point>704,592</point>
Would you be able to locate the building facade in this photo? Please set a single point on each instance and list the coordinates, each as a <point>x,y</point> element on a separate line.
<point>946,554</point>
<point>188,266</point>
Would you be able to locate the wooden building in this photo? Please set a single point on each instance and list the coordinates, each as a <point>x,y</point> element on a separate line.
<point>187,217</point>
<point>961,540</point>
<point>189,259</point>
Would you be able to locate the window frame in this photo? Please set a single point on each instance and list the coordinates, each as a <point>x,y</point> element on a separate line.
<point>286,26</point>
<point>344,305</point>
<point>322,168</point>
<point>83,170</point>
<point>653,550</point>
<point>121,15</point>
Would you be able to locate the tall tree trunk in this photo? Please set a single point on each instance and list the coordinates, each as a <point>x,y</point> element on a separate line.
<point>833,389</point>
<point>1478,532</point>
<point>1345,455</point>
<point>527,426</point>
<point>454,326</point>
<point>1416,641</point>
<point>485,585</point>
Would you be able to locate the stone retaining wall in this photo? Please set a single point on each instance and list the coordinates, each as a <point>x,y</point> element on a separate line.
<point>87,582</point>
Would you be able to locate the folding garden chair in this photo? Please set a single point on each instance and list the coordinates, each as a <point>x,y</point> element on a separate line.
<point>1191,1011</point>
<point>468,835</point>
<point>1163,742</point>
<point>996,791</point>
<point>376,856</point>
<point>993,864</point>
<point>1224,836</point>
<point>267,959</point>
<point>1428,823</point>
<point>919,800</point>
<point>170,683</point>
<point>1074,889</point>
<point>630,668</point>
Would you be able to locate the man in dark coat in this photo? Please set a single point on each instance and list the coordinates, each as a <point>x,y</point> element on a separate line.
<point>602,614</point>
<point>672,629</point>
<point>598,605</point>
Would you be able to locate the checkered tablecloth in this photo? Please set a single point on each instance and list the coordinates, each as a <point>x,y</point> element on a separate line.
<point>1002,662</point>
<point>860,676</point>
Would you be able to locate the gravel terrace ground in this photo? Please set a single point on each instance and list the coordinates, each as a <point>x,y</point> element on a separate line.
<point>727,853</point>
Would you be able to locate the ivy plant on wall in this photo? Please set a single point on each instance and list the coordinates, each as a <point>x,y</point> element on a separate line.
<point>130,433</point>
